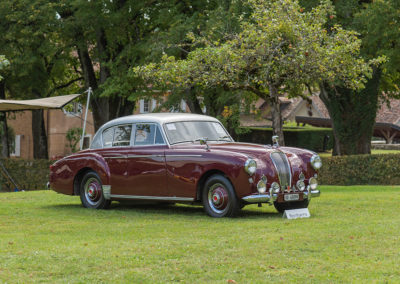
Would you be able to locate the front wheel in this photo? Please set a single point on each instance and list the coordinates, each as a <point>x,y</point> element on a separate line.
<point>281,207</point>
<point>91,192</point>
<point>219,198</point>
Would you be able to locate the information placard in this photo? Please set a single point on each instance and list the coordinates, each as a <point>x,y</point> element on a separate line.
<point>296,213</point>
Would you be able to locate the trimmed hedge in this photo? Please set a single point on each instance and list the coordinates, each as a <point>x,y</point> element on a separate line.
<point>28,174</point>
<point>311,139</point>
<point>383,169</point>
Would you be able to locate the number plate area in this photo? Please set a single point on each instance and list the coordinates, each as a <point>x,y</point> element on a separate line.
<point>291,197</point>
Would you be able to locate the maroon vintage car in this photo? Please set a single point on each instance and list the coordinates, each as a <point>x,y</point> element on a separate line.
<point>169,157</point>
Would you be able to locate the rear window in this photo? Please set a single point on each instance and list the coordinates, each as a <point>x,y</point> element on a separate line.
<point>117,136</point>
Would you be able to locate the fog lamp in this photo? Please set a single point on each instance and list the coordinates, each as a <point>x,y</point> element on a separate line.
<point>301,185</point>
<point>275,187</point>
<point>261,187</point>
<point>313,183</point>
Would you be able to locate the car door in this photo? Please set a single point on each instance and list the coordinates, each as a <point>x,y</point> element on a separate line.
<point>146,171</point>
<point>116,145</point>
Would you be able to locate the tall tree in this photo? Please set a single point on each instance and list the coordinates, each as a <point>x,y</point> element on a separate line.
<point>353,113</point>
<point>281,49</point>
<point>110,37</point>
<point>40,64</point>
<point>4,63</point>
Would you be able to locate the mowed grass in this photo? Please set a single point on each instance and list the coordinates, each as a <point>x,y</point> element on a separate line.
<point>353,235</point>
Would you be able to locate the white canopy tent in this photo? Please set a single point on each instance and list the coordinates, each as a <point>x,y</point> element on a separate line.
<point>44,103</point>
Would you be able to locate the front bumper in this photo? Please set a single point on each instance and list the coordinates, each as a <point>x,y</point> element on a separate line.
<point>272,197</point>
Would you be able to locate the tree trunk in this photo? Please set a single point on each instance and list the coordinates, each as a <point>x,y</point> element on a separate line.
<point>120,106</point>
<point>103,108</point>
<point>277,122</point>
<point>39,135</point>
<point>353,115</point>
<point>192,101</point>
<point>5,153</point>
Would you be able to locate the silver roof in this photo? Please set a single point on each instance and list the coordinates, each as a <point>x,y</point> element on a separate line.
<point>161,118</point>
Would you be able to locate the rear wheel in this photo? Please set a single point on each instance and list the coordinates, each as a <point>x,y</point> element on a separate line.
<point>91,192</point>
<point>219,198</point>
<point>281,207</point>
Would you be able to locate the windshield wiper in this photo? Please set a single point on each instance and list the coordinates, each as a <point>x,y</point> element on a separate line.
<point>185,141</point>
<point>222,138</point>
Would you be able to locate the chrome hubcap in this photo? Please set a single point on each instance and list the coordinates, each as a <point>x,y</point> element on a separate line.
<point>93,191</point>
<point>218,198</point>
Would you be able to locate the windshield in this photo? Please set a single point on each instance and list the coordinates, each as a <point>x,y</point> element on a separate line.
<point>191,131</point>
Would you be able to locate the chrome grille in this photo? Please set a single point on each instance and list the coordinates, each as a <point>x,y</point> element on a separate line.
<point>282,167</point>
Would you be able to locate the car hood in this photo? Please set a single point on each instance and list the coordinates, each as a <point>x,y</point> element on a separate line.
<point>252,150</point>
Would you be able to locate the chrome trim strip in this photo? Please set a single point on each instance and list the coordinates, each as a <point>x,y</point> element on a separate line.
<point>106,191</point>
<point>115,157</point>
<point>169,198</point>
<point>144,156</point>
<point>183,155</point>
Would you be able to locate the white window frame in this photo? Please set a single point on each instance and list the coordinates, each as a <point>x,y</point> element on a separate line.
<point>142,108</point>
<point>17,148</point>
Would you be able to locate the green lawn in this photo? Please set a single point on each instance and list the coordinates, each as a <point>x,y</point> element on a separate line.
<point>352,236</point>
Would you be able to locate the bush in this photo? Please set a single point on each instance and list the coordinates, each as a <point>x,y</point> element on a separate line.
<point>381,169</point>
<point>307,138</point>
<point>28,174</point>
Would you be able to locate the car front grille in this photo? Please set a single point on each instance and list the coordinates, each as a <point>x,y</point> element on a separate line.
<point>282,167</point>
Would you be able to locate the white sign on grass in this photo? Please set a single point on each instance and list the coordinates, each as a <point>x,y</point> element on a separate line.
<point>296,213</point>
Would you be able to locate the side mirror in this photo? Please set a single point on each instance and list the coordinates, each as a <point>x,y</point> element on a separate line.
<point>275,140</point>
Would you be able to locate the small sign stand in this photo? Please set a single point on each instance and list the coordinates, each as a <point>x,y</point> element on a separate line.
<point>296,213</point>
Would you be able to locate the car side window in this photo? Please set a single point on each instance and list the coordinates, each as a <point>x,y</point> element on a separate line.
<point>108,136</point>
<point>144,134</point>
<point>122,135</point>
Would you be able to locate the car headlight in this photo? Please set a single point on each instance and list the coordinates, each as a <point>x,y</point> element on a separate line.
<point>301,185</point>
<point>261,187</point>
<point>313,183</point>
<point>250,167</point>
<point>275,187</point>
<point>316,162</point>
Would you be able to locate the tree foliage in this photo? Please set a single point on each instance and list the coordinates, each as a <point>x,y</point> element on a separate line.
<point>40,64</point>
<point>3,64</point>
<point>280,49</point>
<point>353,113</point>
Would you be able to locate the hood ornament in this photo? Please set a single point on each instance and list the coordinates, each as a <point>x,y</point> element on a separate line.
<point>275,140</point>
<point>203,141</point>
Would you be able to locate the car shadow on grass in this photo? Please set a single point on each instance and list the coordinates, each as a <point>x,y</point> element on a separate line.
<point>167,209</point>
<point>180,209</point>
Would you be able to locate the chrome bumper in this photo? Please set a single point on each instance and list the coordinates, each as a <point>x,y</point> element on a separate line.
<point>271,197</point>
<point>308,194</point>
<point>261,198</point>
